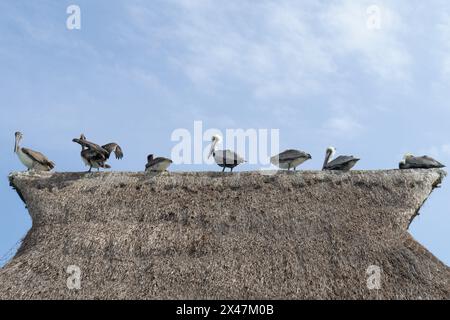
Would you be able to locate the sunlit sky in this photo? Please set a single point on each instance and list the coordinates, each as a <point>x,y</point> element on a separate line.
<point>316,70</point>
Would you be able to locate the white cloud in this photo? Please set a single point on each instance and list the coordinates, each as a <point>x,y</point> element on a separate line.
<point>266,46</point>
<point>285,48</point>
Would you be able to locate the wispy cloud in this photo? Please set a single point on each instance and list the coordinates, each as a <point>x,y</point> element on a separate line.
<point>279,48</point>
<point>268,47</point>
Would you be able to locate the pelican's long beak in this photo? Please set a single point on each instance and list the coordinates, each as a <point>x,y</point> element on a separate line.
<point>213,147</point>
<point>327,159</point>
<point>16,144</point>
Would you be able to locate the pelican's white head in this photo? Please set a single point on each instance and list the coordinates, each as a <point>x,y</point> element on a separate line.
<point>407,156</point>
<point>402,163</point>
<point>331,151</point>
<point>215,140</point>
<point>18,135</point>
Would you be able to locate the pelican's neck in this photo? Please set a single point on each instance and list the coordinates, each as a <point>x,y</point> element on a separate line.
<point>328,156</point>
<point>214,147</point>
<point>332,153</point>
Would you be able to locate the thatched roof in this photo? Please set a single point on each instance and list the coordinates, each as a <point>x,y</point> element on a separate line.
<point>224,236</point>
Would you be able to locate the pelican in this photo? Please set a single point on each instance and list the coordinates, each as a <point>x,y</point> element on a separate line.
<point>341,163</point>
<point>411,162</point>
<point>159,164</point>
<point>33,160</point>
<point>95,156</point>
<point>290,159</point>
<point>224,158</point>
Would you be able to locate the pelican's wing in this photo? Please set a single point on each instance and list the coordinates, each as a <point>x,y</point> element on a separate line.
<point>90,145</point>
<point>340,162</point>
<point>38,157</point>
<point>290,155</point>
<point>156,161</point>
<point>423,162</point>
<point>228,157</point>
<point>93,155</point>
<point>114,147</point>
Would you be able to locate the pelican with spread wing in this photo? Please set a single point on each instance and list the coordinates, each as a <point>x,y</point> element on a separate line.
<point>96,156</point>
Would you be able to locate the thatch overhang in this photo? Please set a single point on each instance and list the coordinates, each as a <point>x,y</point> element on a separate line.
<point>302,235</point>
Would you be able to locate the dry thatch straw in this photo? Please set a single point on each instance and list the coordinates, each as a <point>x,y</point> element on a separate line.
<point>303,235</point>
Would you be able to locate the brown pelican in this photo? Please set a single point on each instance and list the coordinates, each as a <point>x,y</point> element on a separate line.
<point>224,158</point>
<point>95,156</point>
<point>411,162</point>
<point>33,160</point>
<point>341,163</point>
<point>290,159</point>
<point>159,164</point>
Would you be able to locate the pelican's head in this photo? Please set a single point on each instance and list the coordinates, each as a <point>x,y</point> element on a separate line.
<point>408,156</point>
<point>215,140</point>
<point>331,151</point>
<point>402,163</point>
<point>82,138</point>
<point>19,137</point>
<point>149,158</point>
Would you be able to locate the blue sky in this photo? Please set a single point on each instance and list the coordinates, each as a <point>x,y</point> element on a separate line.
<point>138,70</point>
